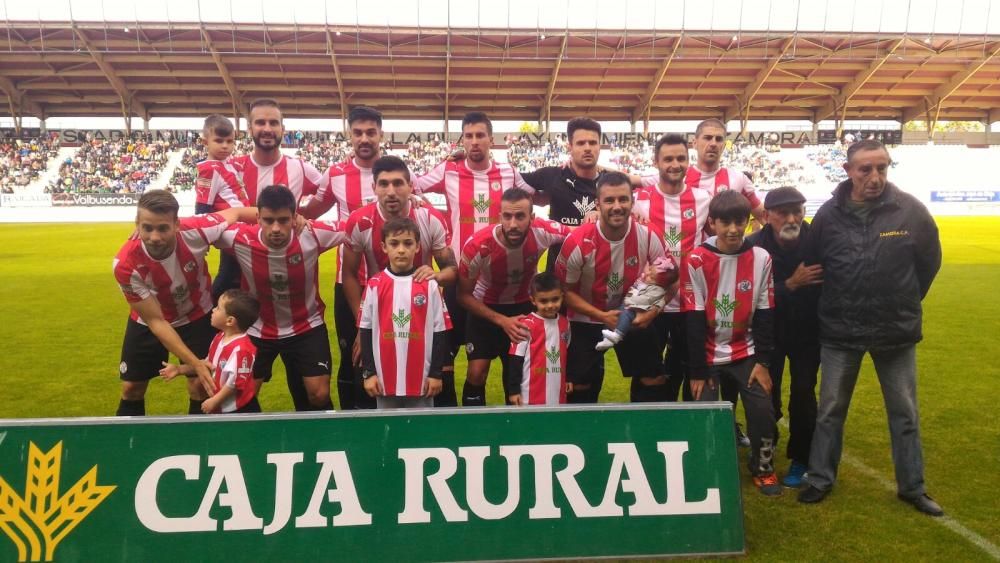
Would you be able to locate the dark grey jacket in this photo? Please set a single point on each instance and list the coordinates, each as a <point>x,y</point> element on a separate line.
<point>875,271</point>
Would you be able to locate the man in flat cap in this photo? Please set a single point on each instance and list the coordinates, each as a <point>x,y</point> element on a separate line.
<point>796,333</point>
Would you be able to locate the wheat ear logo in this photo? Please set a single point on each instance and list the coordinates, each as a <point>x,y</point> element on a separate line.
<point>552,353</point>
<point>481,204</point>
<point>401,318</point>
<point>725,305</point>
<point>37,522</point>
<point>672,237</point>
<point>615,282</point>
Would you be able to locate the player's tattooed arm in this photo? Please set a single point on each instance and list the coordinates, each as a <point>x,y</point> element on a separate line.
<point>447,267</point>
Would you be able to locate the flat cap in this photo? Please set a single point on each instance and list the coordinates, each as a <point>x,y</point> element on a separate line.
<point>785,195</point>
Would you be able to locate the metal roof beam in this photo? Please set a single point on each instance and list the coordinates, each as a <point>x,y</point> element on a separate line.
<point>647,99</point>
<point>18,99</point>
<point>337,76</point>
<point>129,102</point>
<point>944,91</point>
<point>742,104</point>
<point>847,92</point>
<point>234,92</point>
<point>545,114</point>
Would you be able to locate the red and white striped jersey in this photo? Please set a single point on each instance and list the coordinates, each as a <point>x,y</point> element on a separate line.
<point>679,219</point>
<point>503,274</point>
<point>403,316</point>
<point>729,288</point>
<point>180,282</point>
<point>543,379</point>
<point>299,176</point>
<point>219,185</point>
<point>232,366</point>
<point>473,196</point>
<point>722,179</point>
<point>350,187</point>
<point>364,234</point>
<point>604,270</point>
<point>284,280</point>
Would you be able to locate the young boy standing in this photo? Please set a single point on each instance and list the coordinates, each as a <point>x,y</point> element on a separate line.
<point>231,356</point>
<point>730,299</point>
<point>402,326</point>
<point>536,370</point>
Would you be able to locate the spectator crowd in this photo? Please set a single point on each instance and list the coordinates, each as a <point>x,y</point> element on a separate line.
<point>22,161</point>
<point>118,166</point>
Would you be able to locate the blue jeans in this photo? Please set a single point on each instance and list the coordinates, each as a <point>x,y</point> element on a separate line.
<point>625,319</point>
<point>897,375</point>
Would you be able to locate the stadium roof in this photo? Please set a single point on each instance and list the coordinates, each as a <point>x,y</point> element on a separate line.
<point>161,69</point>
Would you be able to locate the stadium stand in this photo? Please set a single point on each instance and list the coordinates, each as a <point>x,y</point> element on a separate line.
<point>119,166</point>
<point>23,161</point>
<point>527,154</point>
<point>421,157</point>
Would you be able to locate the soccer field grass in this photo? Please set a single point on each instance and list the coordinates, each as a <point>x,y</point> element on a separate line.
<point>63,318</point>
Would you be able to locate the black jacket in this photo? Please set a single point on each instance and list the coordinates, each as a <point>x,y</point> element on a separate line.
<point>795,320</point>
<point>876,271</point>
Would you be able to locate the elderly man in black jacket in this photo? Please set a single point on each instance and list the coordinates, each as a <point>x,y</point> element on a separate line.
<point>879,249</point>
<point>796,327</point>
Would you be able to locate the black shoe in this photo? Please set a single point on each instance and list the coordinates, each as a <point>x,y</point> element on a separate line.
<point>924,504</point>
<point>812,495</point>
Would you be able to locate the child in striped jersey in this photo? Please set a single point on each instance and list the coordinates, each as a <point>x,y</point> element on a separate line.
<point>536,370</point>
<point>729,301</point>
<point>231,356</point>
<point>654,289</point>
<point>403,325</point>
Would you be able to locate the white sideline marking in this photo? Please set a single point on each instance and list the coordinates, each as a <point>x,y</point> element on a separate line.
<point>946,521</point>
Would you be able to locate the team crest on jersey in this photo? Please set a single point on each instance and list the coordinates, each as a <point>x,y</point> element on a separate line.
<point>495,186</point>
<point>631,261</point>
<point>744,285</point>
<point>190,266</point>
<point>295,259</point>
<point>419,300</point>
<point>222,364</point>
<point>688,213</point>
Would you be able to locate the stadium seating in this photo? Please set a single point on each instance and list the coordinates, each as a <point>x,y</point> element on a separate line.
<point>119,166</point>
<point>22,161</point>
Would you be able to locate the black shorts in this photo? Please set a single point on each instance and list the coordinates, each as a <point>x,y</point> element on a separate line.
<point>304,355</point>
<point>485,340</point>
<point>143,355</point>
<point>458,316</point>
<point>672,331</point>
<point>638,353</point>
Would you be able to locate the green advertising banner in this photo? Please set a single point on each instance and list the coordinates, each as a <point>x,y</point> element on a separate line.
<point>430,485</point>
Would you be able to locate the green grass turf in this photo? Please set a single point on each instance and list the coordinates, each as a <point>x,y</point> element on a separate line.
<point>63,319</point>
